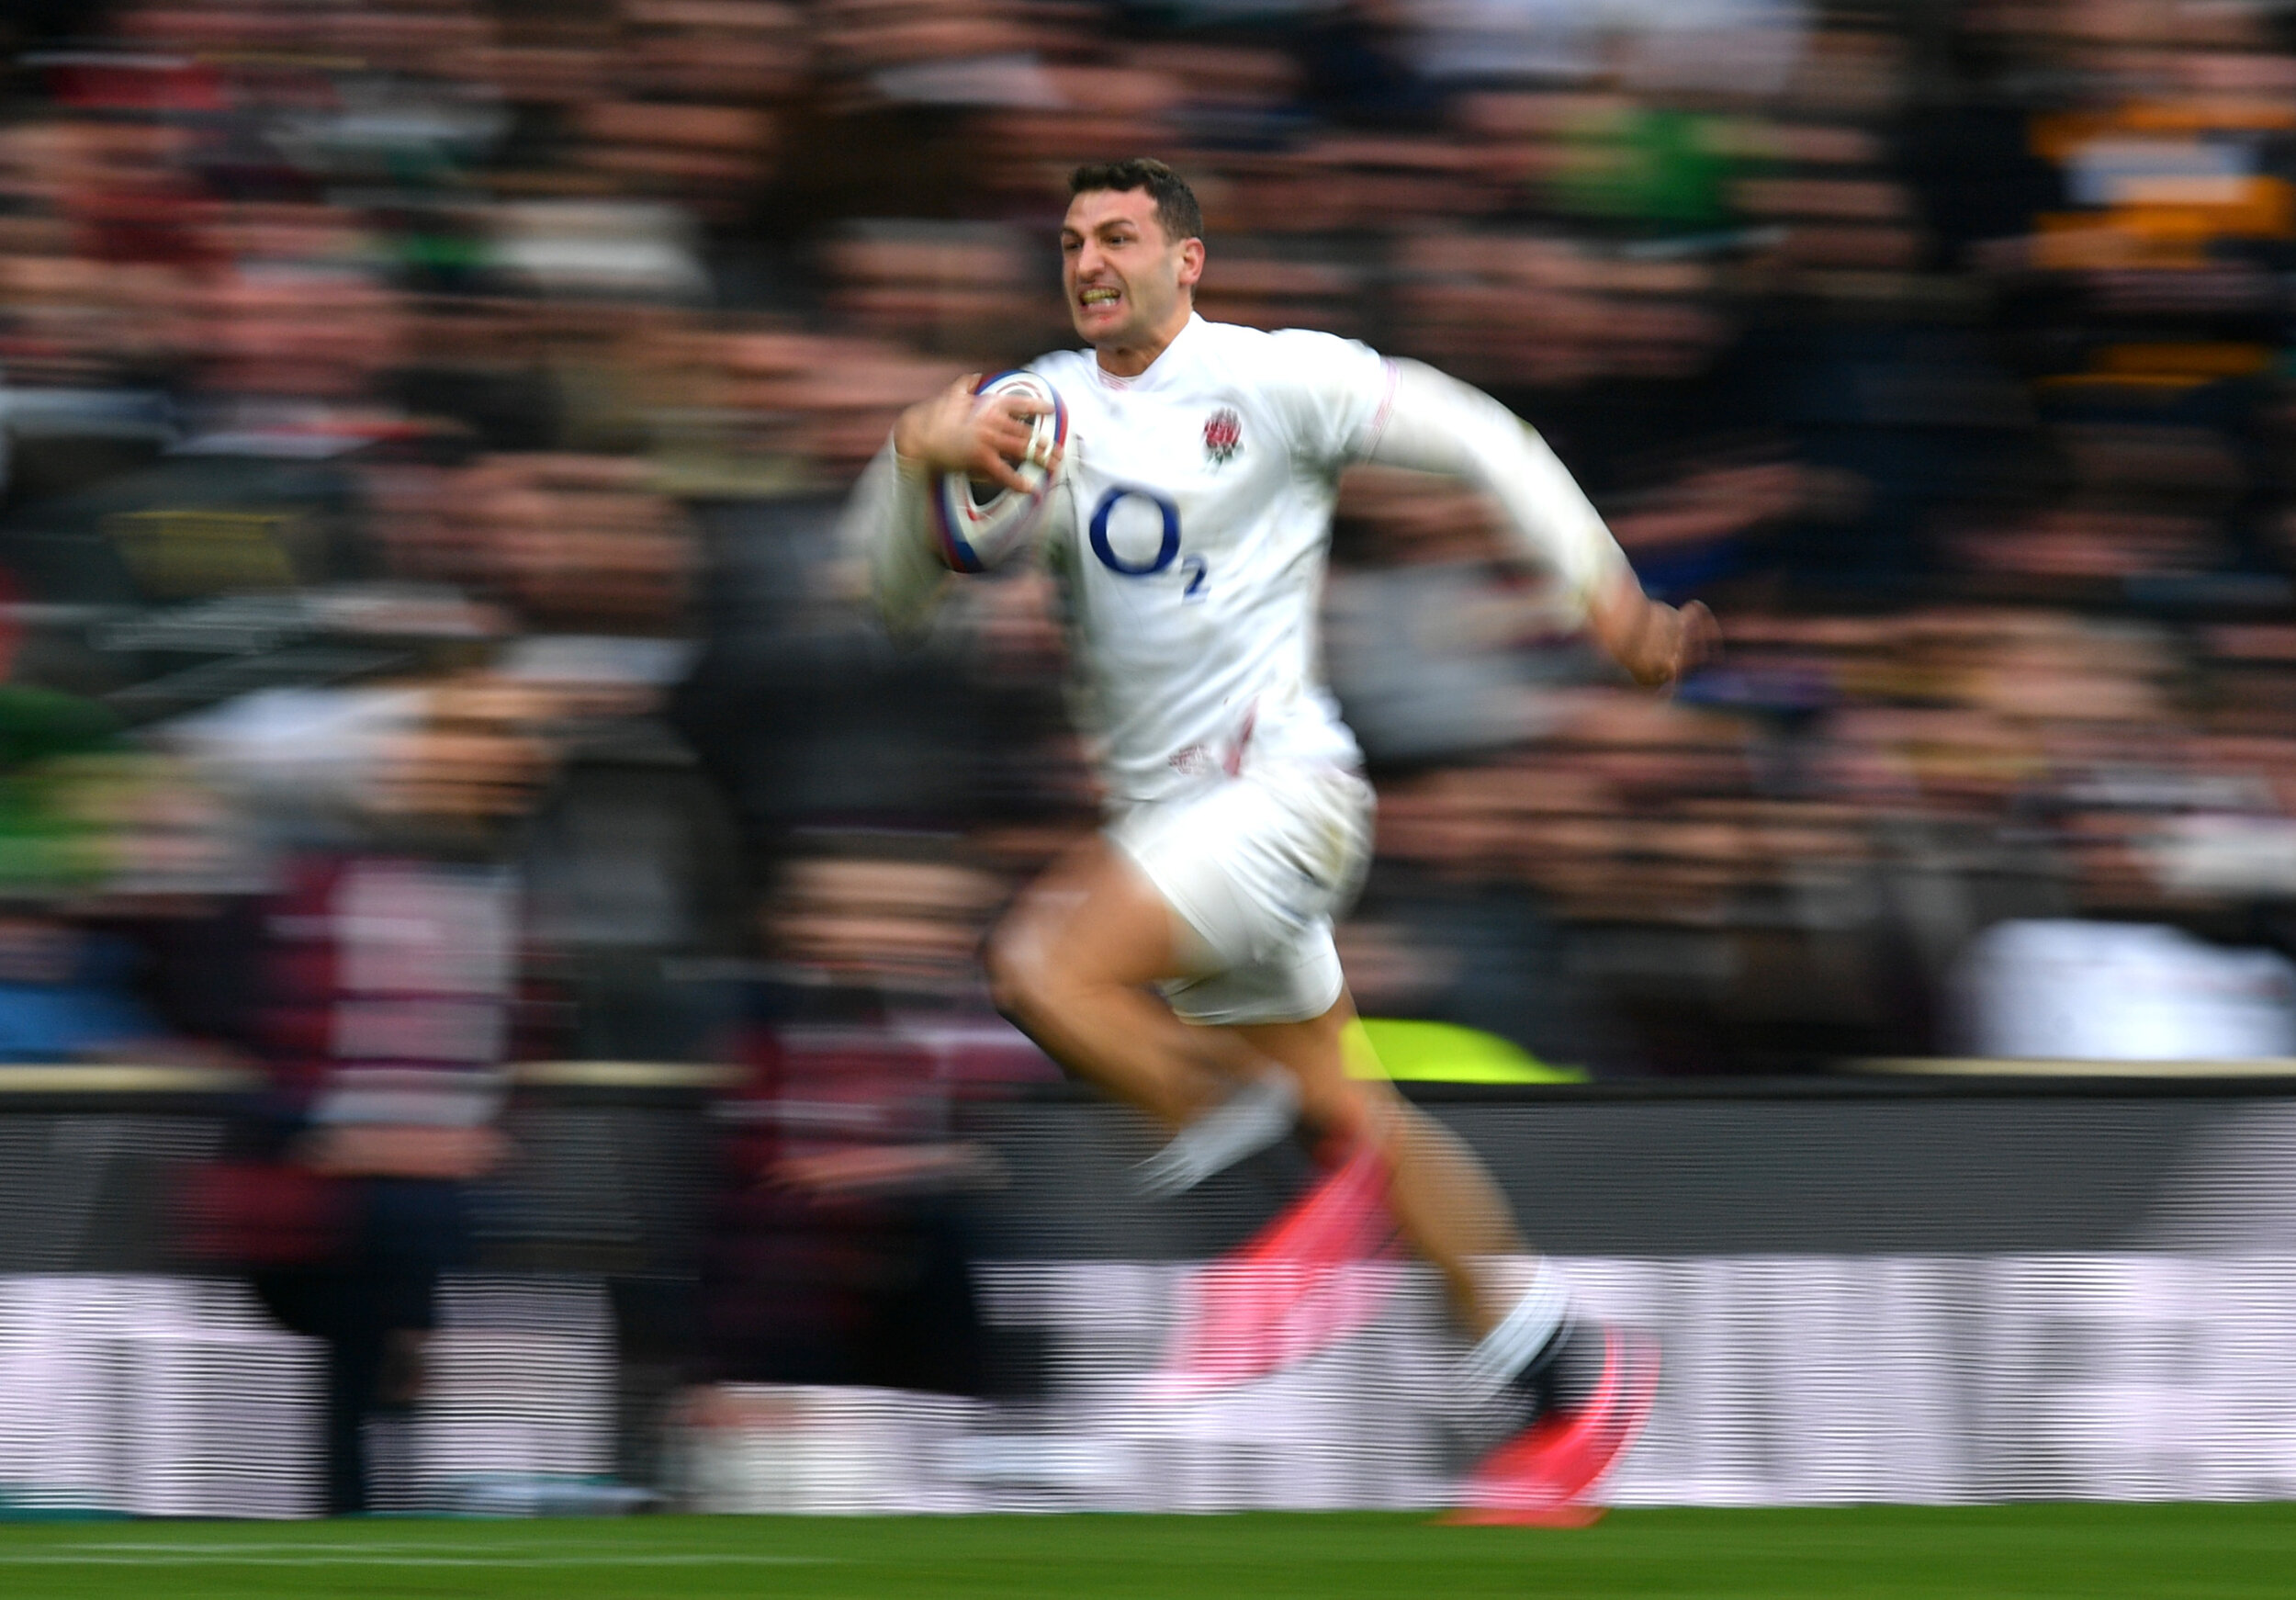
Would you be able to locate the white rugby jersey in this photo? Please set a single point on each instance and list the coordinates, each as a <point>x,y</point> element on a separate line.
<point>1191,526</point>
<point>1199,513</point>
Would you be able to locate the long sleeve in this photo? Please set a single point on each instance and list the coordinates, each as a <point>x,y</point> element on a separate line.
<point>1435,423</point>
<point>884,523</point>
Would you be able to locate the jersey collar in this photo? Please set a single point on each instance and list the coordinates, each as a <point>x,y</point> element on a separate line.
<point>1161,371</point>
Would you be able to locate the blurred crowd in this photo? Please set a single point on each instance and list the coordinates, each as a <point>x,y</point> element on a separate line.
<point>424,420</point>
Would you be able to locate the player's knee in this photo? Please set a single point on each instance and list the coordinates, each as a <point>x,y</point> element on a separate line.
<point>1352,1112</point>
<point>1337,1117</point>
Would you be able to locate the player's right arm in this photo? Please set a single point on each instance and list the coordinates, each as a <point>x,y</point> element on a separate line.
<point>887,519</point>
<point>886,529</point>
<point>953,432</point>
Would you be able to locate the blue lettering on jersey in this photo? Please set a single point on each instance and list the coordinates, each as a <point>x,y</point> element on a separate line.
<point>1167,549</point>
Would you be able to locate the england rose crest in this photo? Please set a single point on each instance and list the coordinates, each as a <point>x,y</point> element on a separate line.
<point>1223,431</point>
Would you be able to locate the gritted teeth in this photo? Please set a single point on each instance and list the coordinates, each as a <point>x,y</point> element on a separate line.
<point>1099,297</point>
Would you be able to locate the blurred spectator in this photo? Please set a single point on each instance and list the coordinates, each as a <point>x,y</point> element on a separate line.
<point>842,1245</point>
<point>391,948</point>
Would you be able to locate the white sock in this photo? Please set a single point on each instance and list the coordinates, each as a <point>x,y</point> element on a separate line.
<point>1250,1119</point>
<point>1521,1335</point>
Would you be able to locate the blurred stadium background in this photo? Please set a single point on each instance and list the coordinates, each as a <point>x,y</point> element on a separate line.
<point>487,927</point>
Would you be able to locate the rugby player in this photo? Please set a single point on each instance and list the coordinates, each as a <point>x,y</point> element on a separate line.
<point>1182,960</point>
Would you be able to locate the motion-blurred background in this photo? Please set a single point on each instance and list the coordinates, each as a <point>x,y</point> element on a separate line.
<point>440,723</point>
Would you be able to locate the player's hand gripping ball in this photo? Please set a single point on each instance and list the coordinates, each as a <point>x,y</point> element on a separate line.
<point>975,533</point>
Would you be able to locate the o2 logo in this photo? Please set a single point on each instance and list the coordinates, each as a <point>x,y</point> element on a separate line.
<point>1167,544</point>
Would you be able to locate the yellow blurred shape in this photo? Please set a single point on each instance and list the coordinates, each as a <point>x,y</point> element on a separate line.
<point>2174,381</point>
<point>176,554</point>
<point>2212,114</point>
<point>2055,137</point>
<point>1409,1052</point>
<point>2090,240</point>
<point>2210,360</point>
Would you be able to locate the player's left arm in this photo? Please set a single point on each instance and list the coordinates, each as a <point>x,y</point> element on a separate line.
<point>1657,644</point>
<point>1435,424</point>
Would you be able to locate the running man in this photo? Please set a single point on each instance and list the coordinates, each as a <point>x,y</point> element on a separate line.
<point>1183,961</point>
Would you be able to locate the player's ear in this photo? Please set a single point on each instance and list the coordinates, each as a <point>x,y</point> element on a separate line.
<point>1191,262</point>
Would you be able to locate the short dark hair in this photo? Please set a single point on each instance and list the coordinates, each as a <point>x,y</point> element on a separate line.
<point>1176,210</point>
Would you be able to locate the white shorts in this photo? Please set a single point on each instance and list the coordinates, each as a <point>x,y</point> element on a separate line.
<point>1257,866</point>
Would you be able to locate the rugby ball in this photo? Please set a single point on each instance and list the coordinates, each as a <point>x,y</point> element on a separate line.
<point>979,526</point>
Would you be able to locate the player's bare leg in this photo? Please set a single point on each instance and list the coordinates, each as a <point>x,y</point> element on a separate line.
<point>1441,1197</point>
<point>1072,963</point>
<point>1586,1389</point>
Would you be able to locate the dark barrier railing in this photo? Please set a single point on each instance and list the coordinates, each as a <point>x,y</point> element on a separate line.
<point>613,1165</point>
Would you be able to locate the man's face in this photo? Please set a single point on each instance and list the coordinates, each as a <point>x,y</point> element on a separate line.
<point>1127,283</point>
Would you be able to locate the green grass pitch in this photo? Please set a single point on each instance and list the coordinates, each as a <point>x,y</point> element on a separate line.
<point>2078,1552</point>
